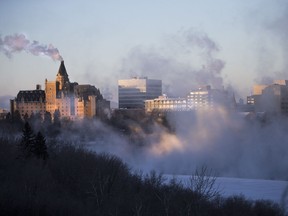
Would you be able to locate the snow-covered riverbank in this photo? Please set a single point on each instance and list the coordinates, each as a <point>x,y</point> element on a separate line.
<point>251,188</point>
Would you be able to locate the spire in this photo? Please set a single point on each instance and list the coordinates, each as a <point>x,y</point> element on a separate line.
<point>62,76</point>
<point>62,70</point>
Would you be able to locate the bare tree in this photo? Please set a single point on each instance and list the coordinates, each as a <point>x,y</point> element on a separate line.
<point>203,183</point>
<point>284,200</point>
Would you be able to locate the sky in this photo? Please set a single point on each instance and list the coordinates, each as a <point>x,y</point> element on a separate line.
<point>186,43</point>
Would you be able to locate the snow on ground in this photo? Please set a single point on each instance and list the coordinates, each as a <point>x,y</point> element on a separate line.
<point>251,188</point>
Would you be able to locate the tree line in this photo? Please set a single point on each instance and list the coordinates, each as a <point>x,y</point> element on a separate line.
<point>74,181</point>
<point>32,145</point>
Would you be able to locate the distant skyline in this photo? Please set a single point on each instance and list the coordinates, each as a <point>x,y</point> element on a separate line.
<point>184,42</point>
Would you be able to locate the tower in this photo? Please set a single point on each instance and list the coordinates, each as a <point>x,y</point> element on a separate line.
<point>62,77</point>
<point>56,91</point>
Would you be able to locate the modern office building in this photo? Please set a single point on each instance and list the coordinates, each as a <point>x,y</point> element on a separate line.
<point>205,98</point>
<point>274,98</point>
<point>257,92</point>
<point>133,92</point>
<point>257,89</point>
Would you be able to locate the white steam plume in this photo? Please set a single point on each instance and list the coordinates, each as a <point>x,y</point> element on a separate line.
<point>187,60</point>
<point>19,42</point>
<point>228,143</point>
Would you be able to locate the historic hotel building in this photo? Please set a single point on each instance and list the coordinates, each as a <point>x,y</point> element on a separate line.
<point>73,101</point>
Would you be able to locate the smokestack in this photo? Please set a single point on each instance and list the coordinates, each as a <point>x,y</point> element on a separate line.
<point>18,43</point>
<point>38,87</point>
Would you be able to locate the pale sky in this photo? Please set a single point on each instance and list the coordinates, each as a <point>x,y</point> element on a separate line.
<point>103,41</point>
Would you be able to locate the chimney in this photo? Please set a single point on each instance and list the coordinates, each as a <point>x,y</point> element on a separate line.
<point>38,87</point>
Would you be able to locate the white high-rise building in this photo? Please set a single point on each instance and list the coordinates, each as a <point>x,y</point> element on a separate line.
<point>203,98</point>
<point>207,98</point>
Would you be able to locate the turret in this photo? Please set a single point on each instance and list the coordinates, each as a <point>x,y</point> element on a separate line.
<point>62,76</point>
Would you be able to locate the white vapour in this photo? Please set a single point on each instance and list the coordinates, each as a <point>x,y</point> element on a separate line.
<point>228,143</point>
<point>225,142</point>
<point>185,61</point>
<point>11,44</point>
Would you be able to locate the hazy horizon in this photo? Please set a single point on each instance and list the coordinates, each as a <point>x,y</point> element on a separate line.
<point>184,43</point>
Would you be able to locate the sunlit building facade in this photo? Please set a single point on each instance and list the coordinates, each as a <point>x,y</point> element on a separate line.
<point>68,98</point>
<point>271,98</point>
<point>203,98</point>
<point>30,102</point>
<point>165,104</point>
<point>3,113</point>
<point>274,99</point>
<point>73,101</point>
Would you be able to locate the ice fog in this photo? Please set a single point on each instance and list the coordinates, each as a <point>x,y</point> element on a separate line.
<point>228,143</point>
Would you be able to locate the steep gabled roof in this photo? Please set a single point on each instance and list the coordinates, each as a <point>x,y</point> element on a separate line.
<point>62,70</point>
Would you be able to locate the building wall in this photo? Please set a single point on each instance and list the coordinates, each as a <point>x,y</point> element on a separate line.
<point>207,98</point>
<point>90,107</point>
<point>72,100</point>
<point>199,100</point>
<point>57,100</point>
<point>85,108</point>
<point>133,92</point>
<point>64,106</point>
<point>281,82</point>
<point>270,98</point>
<point>274,99</point>
<point>165,104</point>
<point>51,89</point>
<point>203,98</point>
<point>3,113</point>
<point>80,107</point>
<point>103,109</point>
<point>257,89</point>
<point>70,105</point>
<point>31,107</point>
<point>29,101</point>
<point>154,88</point>
<point>251,99</point>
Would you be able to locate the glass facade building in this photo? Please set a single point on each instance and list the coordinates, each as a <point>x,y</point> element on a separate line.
<point>133,92</point>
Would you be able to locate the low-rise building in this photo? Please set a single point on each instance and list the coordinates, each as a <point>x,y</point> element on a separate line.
<point>274,99</point>
<point>271,98</point>
<point>30,102</point>
<point>164,104</point>
<point>203,98</point>
<point>3,113</point>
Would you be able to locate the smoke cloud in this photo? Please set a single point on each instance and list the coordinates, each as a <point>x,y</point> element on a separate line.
<point>11,44</point>
<point>187,60</point>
